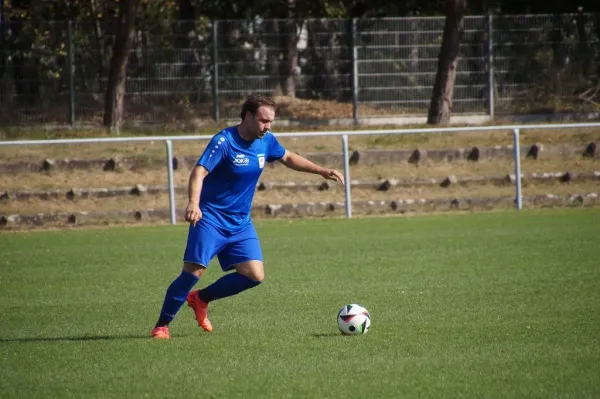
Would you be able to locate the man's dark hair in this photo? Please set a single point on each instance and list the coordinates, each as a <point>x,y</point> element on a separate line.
<point>254,102</point>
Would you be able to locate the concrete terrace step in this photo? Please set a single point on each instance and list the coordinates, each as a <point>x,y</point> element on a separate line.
<point>363,157</point>
<point>380,185</point>
<point>315,209</point>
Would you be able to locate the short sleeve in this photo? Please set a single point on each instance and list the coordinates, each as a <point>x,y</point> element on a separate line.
<point>215,152</point>
<point>275,150</point>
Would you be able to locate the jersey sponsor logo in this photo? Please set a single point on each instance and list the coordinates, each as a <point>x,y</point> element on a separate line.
<point>241,160</point>
<point>261,160</point>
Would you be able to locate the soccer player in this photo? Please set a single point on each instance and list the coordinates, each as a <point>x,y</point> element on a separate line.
<point>221,188</point>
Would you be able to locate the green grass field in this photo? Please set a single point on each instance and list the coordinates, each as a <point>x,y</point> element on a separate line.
<point>490,305</point>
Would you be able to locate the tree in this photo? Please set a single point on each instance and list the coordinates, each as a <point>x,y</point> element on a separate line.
<point>2,38</point>
<point>19,44</point>
<point>117,74</point>
<point>289,62</point>
<point>443,89</point>
<point>288,17</point>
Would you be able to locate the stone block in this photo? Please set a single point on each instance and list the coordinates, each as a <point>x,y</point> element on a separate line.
<point>534,151</point>
<point>138,189</point>
<point>566,177</point>
<point>324,186</point>
<point>590,150</point>
<point>48,165</point>
<point>415,157</point>
<point>474,154</point>
<point>577,199</point>
<point>448,181</point>
<point>384,186</point>
<point>75,193</point>
<point>272,209</point>
<point>354,158</point>
<point>512,178</point>
<point>10,220</point>
<point>112,165</point>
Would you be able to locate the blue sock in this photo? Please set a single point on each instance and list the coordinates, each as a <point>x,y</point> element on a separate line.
<point>175,297</point>
<point>228,285</point>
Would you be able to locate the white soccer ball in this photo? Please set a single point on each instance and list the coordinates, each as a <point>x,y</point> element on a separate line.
<point>353,319</point>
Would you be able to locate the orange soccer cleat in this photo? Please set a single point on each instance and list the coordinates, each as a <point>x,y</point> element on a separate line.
<point>161,333</point>
<point>200,310</point>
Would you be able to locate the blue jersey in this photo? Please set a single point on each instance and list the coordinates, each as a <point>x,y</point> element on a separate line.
<point>234,166</point>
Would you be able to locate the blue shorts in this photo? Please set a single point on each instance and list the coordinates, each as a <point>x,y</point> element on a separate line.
<point>205,241</point>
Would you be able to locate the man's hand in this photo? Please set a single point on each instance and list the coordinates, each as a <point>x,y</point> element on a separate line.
<point>332,174</point>
<point>193,213</point>
<point>298,162</point>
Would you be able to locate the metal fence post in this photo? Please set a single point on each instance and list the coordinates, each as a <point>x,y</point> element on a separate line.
<point>170,181</point>
<point>490,48</point>
<point>71,68</point>
<point>347,176</point>
<point>517,155</point>
<point>354,72</point>
<point>216,70</point>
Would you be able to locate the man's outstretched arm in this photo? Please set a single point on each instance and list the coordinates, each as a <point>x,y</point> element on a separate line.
<point>299,163</point>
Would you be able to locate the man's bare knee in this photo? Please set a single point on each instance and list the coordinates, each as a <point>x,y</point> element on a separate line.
<point>194,268</point>
<point>254,270</point>
<point>258,276</point>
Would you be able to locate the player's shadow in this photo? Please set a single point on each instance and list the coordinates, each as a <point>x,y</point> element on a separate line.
<point>326,335</point>
<point>82,338</point>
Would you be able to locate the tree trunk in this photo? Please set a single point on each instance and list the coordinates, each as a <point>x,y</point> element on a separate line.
<point>273,51</point>
<point>184,32</point>
<point>186,24</point>
<point>115,90</point>
<point>3,25</point>
<point>188,50</point>
<point>25,66</point>
<point>443,90</point>
<point>287,67</point>
<point>100,41</point>
<point>583,49</point>
<point>597,49</point>
<point>557,39</point>
<point>329,72</point>
<point>290,61</point>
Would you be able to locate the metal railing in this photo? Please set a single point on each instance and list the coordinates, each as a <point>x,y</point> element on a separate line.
<point>515,129</point>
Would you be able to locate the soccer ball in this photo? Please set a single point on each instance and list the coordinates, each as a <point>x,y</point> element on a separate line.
<point>353,319</point>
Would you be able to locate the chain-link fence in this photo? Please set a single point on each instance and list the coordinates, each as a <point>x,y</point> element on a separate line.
<point>397,65</point>
<point>194,71</point>
<point>546,62</point>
